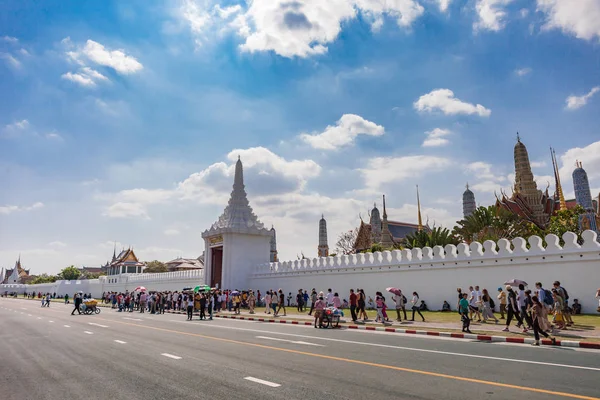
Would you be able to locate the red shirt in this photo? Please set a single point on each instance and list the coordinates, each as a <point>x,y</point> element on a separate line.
<point>353,299</point>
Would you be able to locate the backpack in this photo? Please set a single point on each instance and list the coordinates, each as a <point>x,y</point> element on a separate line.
<point>566,294</point>
<point>404,299</point>
<point>548,297</point>
<point>492,304</point>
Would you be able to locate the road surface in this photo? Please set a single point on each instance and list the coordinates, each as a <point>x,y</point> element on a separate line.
<point>45,353</point>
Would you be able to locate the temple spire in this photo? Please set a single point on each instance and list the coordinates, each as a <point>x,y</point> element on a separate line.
<point>420,225</point>
<point>387,240</point>
<point>323,248</point>
<point>559,190</point>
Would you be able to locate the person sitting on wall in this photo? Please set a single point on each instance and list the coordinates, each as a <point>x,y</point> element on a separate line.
<point>423,306</point>
<point>576,307</point>
<point>446,306</point>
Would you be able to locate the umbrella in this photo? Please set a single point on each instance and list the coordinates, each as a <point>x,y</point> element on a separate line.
<point>515,282</point>
<point>234,293</point>
<point>201,288</point>
<point>140,288</point>
<point>394,290</point>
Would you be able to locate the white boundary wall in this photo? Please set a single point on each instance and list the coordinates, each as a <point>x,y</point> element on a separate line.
<point>436,273</point>
<point>159,281</point>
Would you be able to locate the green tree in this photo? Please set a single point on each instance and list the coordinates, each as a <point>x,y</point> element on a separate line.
<point>70,273</point>
<point>43,278</point>
<point>563,221</point>
<point>155,266</point>
<point>492,223</point>
<point>437,237</point>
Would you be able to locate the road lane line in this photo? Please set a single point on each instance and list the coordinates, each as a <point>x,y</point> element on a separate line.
<point>366,363</point>
<point>262,382</point>
<point>101,326</point>
<point>171,356</point>
<point>289,341</point>
<point>50,321</point>
<point>88,332</point>
<point>132,319</point>
<point>67,326</point>
<point>387,346</point>
<point>120,341</point>
<point>29,315</point>
<point>39,317</point>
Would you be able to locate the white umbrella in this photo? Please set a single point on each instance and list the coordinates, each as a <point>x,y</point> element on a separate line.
<point>515,282</point>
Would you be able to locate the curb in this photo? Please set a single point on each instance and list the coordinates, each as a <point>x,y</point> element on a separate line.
<point>484,338</point>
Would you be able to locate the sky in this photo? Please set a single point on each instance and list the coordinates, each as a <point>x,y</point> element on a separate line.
<point>121,121</point>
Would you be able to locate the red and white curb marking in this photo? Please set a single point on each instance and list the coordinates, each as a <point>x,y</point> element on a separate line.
<point>454,335</point>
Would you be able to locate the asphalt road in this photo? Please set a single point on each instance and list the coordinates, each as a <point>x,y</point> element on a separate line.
<point>45,353</point>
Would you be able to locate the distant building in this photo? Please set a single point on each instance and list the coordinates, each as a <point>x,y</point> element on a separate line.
<point>323,249</point>
<point>469,204</point>
<point>16,275</point>
<point>185,264</point>
<point>124,263</point>
<point>273,252</point>
<point>583,197</point>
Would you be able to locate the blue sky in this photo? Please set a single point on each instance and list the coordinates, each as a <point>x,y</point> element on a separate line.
<point>121,120</point>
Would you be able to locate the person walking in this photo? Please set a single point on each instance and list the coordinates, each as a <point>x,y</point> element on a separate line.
<point>300,300</point>
<point>77,301</point>
<point>251,302</point>
<point>399,300</point>
<point>190,307</point>
<point>67,298</point>
<point>353,304</point>
<point>329,298</point>
<point>313,300</point>
<point>559,305</point>
<point>521,300</point>
<point>379,306</point>
<point>415,306</point>
<point>268,302</point>
<point>318,306</point>
<point>538,311</point>
<point>502,300</point>
<point>337,302</point>
<point>562,292</point>
<point>487,311</point>
<point>202,302</point>
<point>463,309</point>
<point>281,304</point>
<point>512,309</point>
<point>362,313</point>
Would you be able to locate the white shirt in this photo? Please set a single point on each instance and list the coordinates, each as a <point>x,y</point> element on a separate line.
<point>329,298</point>
<point>398,300</point>
<point>521,298</point>
<point>473,298</point>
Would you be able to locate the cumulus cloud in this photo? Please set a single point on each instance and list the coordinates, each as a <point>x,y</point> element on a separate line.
<point>10,39</point>
<point>382,170</point>
<point>444,101</point>
<point>18,125</point>
<point>589,156</point>
<point>580,18</point>
<point>444,4</point>
<point>99,54</point>
<point>575,102</point>
<point>80,79</point>
<point>5,210</point>
<point>491,14</point>
<point>263,170</point>
<point>345,131</point>
<point>436,138</point>
<point>303,28</point>
<point>10,60</point>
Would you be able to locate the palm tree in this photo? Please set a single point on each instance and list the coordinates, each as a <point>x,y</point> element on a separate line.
<point>437,237</point>
<point>492,223</point>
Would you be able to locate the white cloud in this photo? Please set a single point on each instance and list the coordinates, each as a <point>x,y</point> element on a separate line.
<point>575,102</point>
<point>589,156</point>
<point>57,243</point>
<point>347,128</point>
<point>97,53</point>
<point>524,12</point>
<point>126,210</point>
<point>81,79</point>
<point>487,187</point>
<point>382,170</point>
<point>11,60</point>
<point>54,136</point>
<point>171,232</point>
<point>491,14</point>
<point>577,17</point>
<point>436,138</point>
<point>85,77</point>
<point>10,39</point>
<point>482,170</point>
<point>24,52</point>
<point>18,125</point>
<point>5,210</point>
<point>228,11</point>
<point>303,28</point>
<point>444,4</point>
<point>523,71</point>
<point>444,100</point>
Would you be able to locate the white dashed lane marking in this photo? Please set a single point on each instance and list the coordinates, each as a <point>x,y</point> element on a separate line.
<point>101,326</point>
<point>132,319</point>
<point>88,332</point>
<point>120,341</point>
<point>289,341</point>
<point>262,382</point>
<point>171,356</point>
<point>67,326</point>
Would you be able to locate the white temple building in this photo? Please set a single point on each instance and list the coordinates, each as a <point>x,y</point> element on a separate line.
<point>237,242</point>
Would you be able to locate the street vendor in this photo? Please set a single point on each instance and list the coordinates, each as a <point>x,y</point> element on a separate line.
<point>319,307</point>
